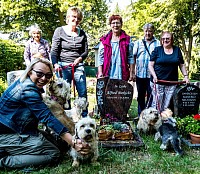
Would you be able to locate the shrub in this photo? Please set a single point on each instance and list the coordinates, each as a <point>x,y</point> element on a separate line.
<point>11,57</point>
<point>3,86</point>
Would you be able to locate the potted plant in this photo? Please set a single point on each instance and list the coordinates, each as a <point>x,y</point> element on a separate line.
<point>190,125</point>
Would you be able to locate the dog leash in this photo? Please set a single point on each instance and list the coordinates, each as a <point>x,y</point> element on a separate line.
<point>170,82</point>
<point>156,96</point>
<point>60,74</point>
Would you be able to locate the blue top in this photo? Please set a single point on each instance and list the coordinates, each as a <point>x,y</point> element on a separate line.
<point>166,65</point>
<point>21,108</point>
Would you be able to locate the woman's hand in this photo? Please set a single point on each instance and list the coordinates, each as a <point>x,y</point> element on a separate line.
<point>81,147</point>
<point>155,79</point>
<point>186,79</point>
<point>56,67</point>
<point>77,61</point>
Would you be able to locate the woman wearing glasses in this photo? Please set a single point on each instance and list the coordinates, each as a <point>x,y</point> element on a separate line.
<point>21,109</point>
<point>115,52</point>
<point>69,49</point>
<point>163,65</point>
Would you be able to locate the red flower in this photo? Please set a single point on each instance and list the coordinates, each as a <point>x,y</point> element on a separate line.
<point>196,117</point>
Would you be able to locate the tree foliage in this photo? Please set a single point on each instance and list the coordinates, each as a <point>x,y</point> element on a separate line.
<point>17,15</point>
<point>181,17</point>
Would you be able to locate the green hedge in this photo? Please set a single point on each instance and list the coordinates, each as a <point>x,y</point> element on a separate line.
<point>90,71</point>
<point>11,57</point>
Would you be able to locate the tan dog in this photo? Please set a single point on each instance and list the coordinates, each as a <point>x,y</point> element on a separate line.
<point>56,98</point>
<point>59,90</point>
<point>85,129</point>
<point>149,120</point>
<point>58,111</point>
<point>80,104</point>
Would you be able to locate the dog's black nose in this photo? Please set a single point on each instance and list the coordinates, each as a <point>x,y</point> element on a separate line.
<point>88,131</point>
<point>60,85</point>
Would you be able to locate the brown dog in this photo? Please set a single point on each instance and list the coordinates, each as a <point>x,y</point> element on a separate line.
<point>58,111</point>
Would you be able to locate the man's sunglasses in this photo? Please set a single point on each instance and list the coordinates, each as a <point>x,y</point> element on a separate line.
<point>41,74</point>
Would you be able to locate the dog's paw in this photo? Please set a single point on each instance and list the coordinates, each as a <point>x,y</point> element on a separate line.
<point>163,147</point>
<point>75,164</point>
<point>157,136</point>
<point>95,163</point>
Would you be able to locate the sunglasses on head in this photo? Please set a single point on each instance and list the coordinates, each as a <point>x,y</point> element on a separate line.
<point>41,74</point>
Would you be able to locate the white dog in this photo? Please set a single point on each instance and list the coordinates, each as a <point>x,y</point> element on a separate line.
<point>85,129</point>
<point>80,104</point>
<point>59,90</point>
<point>149,120</point>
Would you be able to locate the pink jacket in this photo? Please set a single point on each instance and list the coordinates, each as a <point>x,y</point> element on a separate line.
<point>123,46</point>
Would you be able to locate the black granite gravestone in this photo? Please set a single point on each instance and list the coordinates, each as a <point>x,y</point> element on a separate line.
<point>186,100</point>
<point>114,97</point>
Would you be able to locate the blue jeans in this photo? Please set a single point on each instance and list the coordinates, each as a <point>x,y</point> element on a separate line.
<point>80,82</point>
<point>143,88</point>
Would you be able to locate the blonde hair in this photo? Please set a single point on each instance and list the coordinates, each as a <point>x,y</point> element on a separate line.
<point>74,9</point>
<point>30,67</point>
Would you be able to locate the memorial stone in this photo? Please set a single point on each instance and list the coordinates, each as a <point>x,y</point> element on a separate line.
<point>186,100</point>
<point>114,97</point>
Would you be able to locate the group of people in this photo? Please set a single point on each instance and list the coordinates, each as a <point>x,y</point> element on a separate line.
<point>145,61</point>
<point>21,105</point>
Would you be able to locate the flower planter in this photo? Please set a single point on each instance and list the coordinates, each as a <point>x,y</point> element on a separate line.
<point>195,139</point>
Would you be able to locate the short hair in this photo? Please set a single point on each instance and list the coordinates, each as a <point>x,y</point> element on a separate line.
<point>30,67</point>
<point>167,32</point>
<point>34,28</point>
<point>148,25</point>
<point>115,17</point>
<point>74,9</point>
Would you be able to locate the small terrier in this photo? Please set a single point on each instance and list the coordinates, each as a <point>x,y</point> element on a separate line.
<point>85,130</point>
<point>149,120</point>
<point>59,90</point>
<point>80,104</point>
<point>168,134</point>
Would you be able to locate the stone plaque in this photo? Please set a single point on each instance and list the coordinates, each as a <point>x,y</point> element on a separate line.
<point>118,98</point>
<point>114,97</point>
<point>186,100</point>
<point>12,76</point>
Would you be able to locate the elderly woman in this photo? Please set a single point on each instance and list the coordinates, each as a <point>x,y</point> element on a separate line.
<point>115,52</point>
<point>163,65</point>
<point>21,108</point>
<point>69,49</point>
<point>36,46</point>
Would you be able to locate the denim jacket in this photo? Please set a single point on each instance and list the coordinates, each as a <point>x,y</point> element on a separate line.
<point>21,108</point>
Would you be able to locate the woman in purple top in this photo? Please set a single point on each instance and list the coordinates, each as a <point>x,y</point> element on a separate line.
<point>36,46</point>
<point>163,65</point>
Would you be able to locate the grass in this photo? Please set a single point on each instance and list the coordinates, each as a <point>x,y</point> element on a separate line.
<point>149,159</point>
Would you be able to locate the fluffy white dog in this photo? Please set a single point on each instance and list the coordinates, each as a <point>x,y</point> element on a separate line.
<point>149,120</point>
<point>59,90</point>
<point>85,129</point>
<point>80,104</point>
